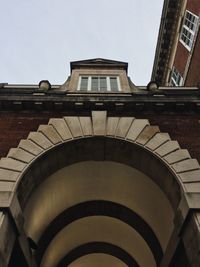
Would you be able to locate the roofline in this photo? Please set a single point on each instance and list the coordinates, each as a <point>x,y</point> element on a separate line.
<point>170,20</point>
<point>160,36</point>
<point>85,64</point>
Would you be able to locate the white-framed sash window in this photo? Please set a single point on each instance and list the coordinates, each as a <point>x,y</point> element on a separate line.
<point>99,83</point>
<point>176,78</point>
<point>188,30</point>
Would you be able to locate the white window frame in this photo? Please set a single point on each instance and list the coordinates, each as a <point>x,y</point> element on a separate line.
<point>89,85</point>
<point>176,78</point>
<point>190,31</point>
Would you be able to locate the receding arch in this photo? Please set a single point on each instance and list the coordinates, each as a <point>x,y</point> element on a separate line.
<point>98,247</point>
<point>93,259</point>
<point>98,229</point>
<point>105,208</point>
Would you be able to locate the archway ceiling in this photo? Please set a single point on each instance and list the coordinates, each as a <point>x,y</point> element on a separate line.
<point>102,229</point>
<point>97,260</point>
<point>91,180</point>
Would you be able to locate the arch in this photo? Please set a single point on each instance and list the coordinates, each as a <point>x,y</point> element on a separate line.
<point>98,247</point>
<point>126,134</point>
<point>100,137</point>
<point>93,259</point>
<point>105,208</point>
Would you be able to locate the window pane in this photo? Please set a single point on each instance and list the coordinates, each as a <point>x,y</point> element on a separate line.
<point>95,84</point>
<point>188,29</point>
<point>176,78</point>
<point>114,84</point>
<point>84,83</point>
<point>103,84</point>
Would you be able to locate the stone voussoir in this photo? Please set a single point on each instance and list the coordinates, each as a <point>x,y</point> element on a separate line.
<point>99,122</point>
<point>147,134</point>
<point>137,126</point>
<point>157,140</point>
<point>40,140</point>
<point>8,175</point>
<point>30,147</point>
<point>166,148</point>
<point>190,176</point>
<point>177,156</point>
<point>112,124</point>
<point>50,133</point>
<point>123,126</point>
<point>61,127</point>
<point>86,125</point>
<point>20,154</point>
<point>74,126</point>
<point>12,164</point>
<point>186,165</point>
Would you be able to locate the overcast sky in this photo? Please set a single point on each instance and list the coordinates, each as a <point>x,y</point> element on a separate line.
<point>39,38</point>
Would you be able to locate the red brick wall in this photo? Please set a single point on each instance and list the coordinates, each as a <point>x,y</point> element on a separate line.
<point>182,53</point>
<point>193,6</point>
<point>193,75</point>
<point>181,58</point>
<point>16,126</point>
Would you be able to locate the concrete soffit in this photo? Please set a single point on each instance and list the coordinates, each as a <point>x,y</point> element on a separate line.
<point>164,155</point>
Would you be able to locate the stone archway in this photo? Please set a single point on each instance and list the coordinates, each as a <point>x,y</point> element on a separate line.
<point>126,140</point>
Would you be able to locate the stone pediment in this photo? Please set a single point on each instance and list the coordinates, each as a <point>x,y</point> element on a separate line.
<point>98,62</point>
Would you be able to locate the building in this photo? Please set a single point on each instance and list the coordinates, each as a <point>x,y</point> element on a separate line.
<point>98,170</point>
<point>177,58</point>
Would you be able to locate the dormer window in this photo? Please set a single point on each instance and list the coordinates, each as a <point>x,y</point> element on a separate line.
<point>99,83</point>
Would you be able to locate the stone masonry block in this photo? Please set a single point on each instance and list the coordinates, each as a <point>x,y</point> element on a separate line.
<point>136,128</point>
<point>123,126</point>
<point>147,134</point>
<point>8,175</point>
<point>86,125</point>
<point>20,154</point>
<point>99,122</point>
<point>186,165</point>
<point>167,147</point>
<point>74,126</point>
<point>31,147</point>
<point>12,164</point>
<point>157,140</point>
<point>191,176</point>
<point>40,139</point>
<point>6,186</point>
<point>50,133</point>
<point>192,187</point>
<point>177,156</point>
<point>112,123</point>
<point>61,127</point>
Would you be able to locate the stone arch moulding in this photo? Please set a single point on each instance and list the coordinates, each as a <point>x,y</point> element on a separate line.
<point>151,151</point>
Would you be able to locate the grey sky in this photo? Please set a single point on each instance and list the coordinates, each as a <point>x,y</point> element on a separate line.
<point>38,38</point>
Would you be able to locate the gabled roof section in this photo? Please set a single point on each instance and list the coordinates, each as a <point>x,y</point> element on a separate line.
<point>99,63</point>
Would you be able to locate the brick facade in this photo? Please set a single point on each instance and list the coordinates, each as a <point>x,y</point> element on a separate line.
<point>16,126</point>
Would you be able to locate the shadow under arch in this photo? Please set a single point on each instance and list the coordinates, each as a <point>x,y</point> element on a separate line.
<point>105,208</point>
<point>98,247</point>
<point>99,149</point>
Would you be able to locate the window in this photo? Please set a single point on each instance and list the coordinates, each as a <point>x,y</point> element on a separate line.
<point>188,29</point>
<point>99,83</point>
<point>176,78</point>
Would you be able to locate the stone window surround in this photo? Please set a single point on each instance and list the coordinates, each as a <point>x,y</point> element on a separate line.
<point>124,84</point>
<point>108,83</point>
